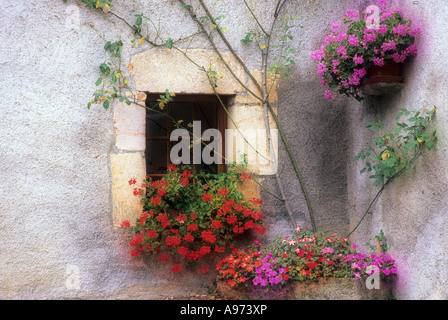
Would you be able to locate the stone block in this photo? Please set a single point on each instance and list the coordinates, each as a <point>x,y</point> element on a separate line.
<point>129,124</point>
<point>157,70</point>
<point>124,166</point>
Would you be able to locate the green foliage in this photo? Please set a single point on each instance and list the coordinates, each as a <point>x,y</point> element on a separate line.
<point>112,78</point>
<point>382,240</point>
<point>283,53</point>
<point>396,151</point>
<point>97,4</point>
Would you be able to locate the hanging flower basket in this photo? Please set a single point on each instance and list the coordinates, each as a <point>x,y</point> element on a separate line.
<point>383,80</point>
<point>389,73</point>
<point>362,52</point>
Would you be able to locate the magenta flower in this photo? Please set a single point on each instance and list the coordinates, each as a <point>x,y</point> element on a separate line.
<point>341,36</point>
<point>353,40</point>
<point>328,94</point>
<point>321,68</point>
<point>378,62</point>
<point>411,50</point>
<point>369,36</point>
<point>358,60</point>
<point>342,51</point>
<point>386,15</point>
<point>335,27</point>
<point>401,30</point>
<point>382,28</point>
<point>352,14</point>
<point>414,31</point>
<point>389,46</point>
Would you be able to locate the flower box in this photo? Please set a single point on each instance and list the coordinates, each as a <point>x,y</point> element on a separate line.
<point>360,46</point>
<point>383,80</point>
<point>323,289</point>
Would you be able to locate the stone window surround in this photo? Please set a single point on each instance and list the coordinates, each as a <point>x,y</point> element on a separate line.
<point>155,71</point>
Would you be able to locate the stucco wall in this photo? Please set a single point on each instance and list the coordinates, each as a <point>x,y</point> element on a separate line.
<point>58,238</point>
<point>412,212</point>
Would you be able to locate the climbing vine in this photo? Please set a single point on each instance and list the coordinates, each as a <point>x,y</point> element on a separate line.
<point>273,44</point>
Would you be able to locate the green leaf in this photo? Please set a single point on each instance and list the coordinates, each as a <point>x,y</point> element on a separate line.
<point>139,19</point>
<point>99,81</point>
<point>169,43</point>
<point>106,104</point>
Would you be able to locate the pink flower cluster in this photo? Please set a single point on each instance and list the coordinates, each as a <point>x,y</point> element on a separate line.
<point>363,264</point>
<point>345,56</point>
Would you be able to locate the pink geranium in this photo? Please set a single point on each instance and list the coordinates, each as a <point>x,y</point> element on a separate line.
<point>345,56</point>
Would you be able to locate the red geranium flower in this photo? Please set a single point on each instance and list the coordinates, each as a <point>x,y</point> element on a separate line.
<point>312,265</point>
<point>188,238</point>
<point>204,269</point>
<point>181,218</point>
<point>232,219</point>
<point>207,197</point>
<point>176,268</point>
<point>255,201</point>
<point>208,236</point>
<point>152,233</point>
<point>186,174</point>
<point>125,224</point>
<point>204,250</point>
<point>192,227</point>
<point>217,224</point>
<point>184,182</point>
<point>245,176</point>
<point>223,191</point>
<point>156,200</point>
<point>163,257</point>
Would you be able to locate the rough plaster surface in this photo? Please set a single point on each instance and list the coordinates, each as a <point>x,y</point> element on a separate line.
<point>412,212</point>
<point>57,157</point>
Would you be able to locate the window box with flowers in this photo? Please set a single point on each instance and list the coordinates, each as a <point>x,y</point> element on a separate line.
<point>310,266</point>
<point>362,54</point>
<point>190,215</point>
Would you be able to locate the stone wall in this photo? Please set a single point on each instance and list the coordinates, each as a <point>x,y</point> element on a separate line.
<point>64,169</point>
<point>412,212</point>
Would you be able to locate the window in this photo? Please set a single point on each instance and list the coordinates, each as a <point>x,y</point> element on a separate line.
<point>185,108</point>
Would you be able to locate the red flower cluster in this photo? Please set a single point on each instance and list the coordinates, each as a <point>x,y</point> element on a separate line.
<point>179,219</point>
<point>237,267</point>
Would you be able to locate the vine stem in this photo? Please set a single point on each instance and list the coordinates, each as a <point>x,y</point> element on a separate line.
<point>296,169</point>
<point>268,130</point>
<point>203,69</point>
<point>380,191</point>
<point>206,145</point>
<point>263,100</point>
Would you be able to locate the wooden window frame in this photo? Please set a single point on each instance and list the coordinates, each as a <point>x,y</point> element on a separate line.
<point>189,98</point>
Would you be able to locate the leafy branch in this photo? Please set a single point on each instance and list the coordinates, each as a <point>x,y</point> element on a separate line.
<point>397,151</point>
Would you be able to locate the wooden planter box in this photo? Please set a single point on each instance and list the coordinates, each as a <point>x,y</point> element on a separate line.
<point>323,289</point>
<point>383,80</point>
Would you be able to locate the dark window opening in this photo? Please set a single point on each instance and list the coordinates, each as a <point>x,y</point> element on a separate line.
<point>185,108</point>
